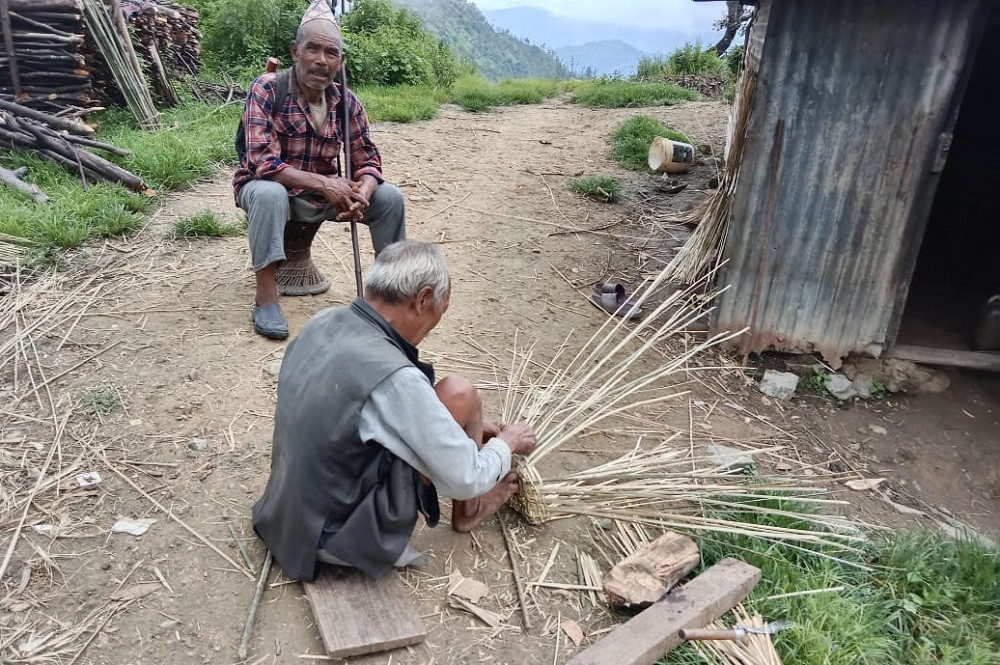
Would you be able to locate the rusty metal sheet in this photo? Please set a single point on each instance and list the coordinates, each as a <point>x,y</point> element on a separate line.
<point>836,181</point>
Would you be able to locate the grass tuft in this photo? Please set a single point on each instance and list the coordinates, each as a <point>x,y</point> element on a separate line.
<point>474,93</point>
<point>403,103</point>
<point>608,93</point>
<point>206,224</point>
<point>630,142</point>
<point>600,188</point>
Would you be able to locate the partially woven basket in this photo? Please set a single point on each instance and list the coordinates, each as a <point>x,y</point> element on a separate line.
<point>298,275</point>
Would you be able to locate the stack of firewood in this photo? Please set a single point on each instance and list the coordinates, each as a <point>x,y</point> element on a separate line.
<point>58,65</point>
<point>49,70</point>
<point>61,140</point>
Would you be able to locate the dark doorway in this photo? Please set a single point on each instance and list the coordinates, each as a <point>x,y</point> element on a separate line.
<point>958,268</point>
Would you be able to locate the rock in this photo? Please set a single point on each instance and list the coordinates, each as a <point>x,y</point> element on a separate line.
<point>606,523</point>
<point>705,149</point>
<point>938,383</point>
<point>878,429</point>
<point>863,383</point>
<point>197,444</point>
<point>713,183</point>
<point>780,385</point>
<point>728,457</point>
<point>840,387</point>
<point>272,368</point>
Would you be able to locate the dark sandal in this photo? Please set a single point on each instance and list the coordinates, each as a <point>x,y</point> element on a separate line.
<point>610,296</point>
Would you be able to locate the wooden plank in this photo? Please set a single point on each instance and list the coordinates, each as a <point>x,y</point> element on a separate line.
<point>653,632</point>
<point>982,360</point>
<point>358,615</point>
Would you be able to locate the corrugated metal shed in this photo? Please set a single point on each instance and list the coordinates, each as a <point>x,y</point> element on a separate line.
<point>854,101</point>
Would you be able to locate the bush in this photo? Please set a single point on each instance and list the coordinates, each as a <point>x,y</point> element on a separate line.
<point>609,93</point>
<point>694,59</point>
<point>240,35</point>
<point>384,45</point>
<point>630,142</point>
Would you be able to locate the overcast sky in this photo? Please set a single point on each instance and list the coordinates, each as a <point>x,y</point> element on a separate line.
<point>683,15</point>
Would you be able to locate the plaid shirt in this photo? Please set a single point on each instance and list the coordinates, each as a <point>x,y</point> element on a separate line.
<point>275,142</point>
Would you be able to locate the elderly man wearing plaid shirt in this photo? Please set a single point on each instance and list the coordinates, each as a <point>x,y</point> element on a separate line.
<point>288,162</point>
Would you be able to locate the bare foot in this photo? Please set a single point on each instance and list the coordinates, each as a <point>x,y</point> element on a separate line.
<point>466,515</point>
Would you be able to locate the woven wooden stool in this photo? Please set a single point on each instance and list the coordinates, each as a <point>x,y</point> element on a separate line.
<point>298,275</point>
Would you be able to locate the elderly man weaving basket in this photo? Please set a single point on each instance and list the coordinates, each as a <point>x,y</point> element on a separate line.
<point>364,439</point>
<point>289,179</point>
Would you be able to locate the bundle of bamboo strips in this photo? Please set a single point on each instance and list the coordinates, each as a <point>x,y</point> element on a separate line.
<point>107,28</point>
<point>752,649</point>
<point>660,486</point>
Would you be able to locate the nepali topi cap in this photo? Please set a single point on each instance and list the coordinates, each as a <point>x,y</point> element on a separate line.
<point>318,10</point>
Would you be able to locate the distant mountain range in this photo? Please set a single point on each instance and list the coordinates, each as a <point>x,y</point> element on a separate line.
<point>604,58</point>
<point>604,47</point>
<point>494,51</point>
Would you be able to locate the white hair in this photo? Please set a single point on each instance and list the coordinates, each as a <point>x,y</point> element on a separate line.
<point>403,268</point>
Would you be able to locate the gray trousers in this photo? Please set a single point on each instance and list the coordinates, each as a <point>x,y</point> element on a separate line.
<point>268,206</point>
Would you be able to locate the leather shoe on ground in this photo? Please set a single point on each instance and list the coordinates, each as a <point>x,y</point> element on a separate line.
<point>269,321</point>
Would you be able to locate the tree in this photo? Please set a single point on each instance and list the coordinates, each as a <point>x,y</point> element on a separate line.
<point>732,23</point>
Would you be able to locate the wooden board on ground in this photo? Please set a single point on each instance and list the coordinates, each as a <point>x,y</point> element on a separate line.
<point>357,615</point>
<point>653,632</point>
<point>984,360</point>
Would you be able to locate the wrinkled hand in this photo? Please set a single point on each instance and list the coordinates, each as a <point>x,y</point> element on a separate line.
<point>364,188</point>
<point>491,429</point>
<point>343,196</point>
<point>520,437</point>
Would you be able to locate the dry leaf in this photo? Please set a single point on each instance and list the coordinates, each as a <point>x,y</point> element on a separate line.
<point>135,591</point>
<point>573,631</point>
<point>865,484</point>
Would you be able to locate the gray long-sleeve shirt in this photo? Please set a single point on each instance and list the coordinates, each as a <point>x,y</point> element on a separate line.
<point>404,414</point>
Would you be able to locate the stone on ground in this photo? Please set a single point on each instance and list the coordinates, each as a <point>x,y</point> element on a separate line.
<point>780,385</point>
<point>840,387</point>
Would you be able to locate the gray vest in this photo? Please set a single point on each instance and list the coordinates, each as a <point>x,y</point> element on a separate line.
<point>327,487</point>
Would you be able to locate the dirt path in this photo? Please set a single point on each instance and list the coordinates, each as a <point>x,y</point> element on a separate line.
<point>166,344</point>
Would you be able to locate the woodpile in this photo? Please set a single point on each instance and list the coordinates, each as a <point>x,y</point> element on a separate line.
<point>59,66</point>
<point>48,69</point>
<point>711,86</point>
<point>62,141</point>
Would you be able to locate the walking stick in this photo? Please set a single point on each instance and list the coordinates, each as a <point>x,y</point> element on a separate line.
<point>346,117</point>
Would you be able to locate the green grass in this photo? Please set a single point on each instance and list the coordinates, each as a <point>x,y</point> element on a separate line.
<point>474,93</point>
<point>206,224</point>
<point>927,599</point>
<point>630,142</point>
<point>609,93</point>
<point>401,103</point>
<point>600,188</point>
<point>197,139</point>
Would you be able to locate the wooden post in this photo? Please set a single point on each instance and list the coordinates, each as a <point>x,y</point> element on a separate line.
<point>8,41</point>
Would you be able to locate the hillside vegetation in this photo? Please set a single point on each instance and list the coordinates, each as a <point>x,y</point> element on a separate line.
<point>495,53</point>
